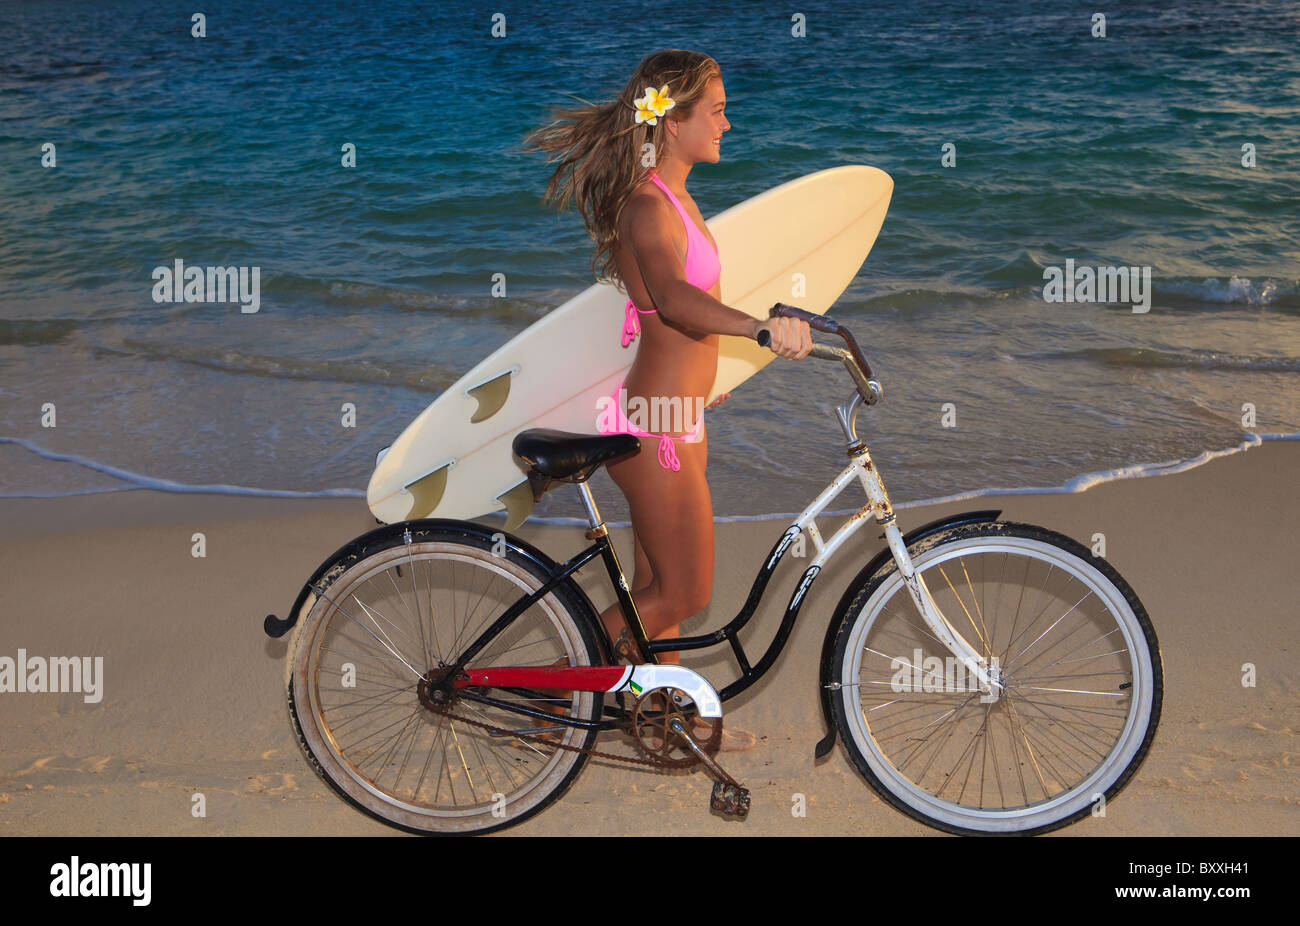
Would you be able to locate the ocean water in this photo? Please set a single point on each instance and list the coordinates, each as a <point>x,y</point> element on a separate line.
<point>376,280</point>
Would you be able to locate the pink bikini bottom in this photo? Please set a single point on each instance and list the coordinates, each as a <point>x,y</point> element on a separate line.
<point>667,455</point>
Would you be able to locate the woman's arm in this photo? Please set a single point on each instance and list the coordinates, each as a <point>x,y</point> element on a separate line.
<point>647,222</point>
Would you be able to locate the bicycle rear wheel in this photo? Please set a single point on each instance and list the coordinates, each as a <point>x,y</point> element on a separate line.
<point>1080,663</point>
<point>398,614</point>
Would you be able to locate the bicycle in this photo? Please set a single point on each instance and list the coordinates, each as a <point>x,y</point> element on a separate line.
<point>986,677</point>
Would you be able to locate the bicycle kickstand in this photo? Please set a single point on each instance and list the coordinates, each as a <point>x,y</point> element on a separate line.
<point>729,797</point>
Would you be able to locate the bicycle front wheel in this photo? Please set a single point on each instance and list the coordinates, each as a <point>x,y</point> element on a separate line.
<point>394,617</point>
<point>1079,663</point>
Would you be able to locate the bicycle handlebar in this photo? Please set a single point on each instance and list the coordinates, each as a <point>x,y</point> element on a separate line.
<point>852,358</point>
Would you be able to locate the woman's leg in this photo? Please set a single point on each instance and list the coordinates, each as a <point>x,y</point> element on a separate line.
<point>673,517</point>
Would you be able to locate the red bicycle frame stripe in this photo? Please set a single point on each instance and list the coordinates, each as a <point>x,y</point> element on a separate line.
<point>577,678</point>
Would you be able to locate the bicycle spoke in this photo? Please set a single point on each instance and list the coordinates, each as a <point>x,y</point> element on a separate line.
<point>1037,614</point>
<point>970,751</point>
<point>401,602</point>
<point>1009,665</point>
<point>983,637</point>
<point>415,593</point>
<point>434,623</point>
<point>400,657</point>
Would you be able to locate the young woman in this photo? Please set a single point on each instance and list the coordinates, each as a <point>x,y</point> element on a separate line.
<point>625,164</point>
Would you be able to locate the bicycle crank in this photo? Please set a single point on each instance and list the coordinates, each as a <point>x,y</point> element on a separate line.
<point>665,725</point>
<point>659,721</point>
<point>729,797</point>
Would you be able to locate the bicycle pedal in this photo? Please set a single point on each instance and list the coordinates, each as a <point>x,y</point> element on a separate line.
<point>730,800</point>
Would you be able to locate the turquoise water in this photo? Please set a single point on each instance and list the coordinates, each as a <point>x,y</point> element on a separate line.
<point>376,280</point>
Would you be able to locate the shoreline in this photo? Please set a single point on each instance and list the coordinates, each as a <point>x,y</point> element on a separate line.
<point>1075,484</point>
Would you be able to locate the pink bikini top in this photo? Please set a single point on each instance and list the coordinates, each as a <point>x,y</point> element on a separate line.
<point>702,265</point>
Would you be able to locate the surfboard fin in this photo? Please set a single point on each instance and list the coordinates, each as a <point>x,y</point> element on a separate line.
<point>491,396</point>
<point>426,492</point>
<point>519,504</point>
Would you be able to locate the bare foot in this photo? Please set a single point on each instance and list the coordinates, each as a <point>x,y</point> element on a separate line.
<point>733,740</point>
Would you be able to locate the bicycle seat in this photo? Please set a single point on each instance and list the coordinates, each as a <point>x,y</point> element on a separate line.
<point>563,454</point>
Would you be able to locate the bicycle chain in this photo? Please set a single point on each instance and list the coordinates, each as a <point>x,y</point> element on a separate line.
<point>630,760</point>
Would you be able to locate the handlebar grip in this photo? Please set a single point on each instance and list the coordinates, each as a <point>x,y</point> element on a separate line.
<point>815,322</point>
<point>828,325</point>
<point>852,358</point>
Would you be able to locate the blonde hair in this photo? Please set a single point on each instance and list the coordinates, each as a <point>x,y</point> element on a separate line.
<point>599,145</point>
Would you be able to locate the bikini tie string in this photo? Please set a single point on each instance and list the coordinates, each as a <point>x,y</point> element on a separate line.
<point>667,455</point>
<point>631,325</point>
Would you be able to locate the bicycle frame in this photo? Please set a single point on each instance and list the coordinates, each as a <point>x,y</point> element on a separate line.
<point>613,678</point>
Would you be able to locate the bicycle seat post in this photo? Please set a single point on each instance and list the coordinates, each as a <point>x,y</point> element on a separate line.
<point>593,515</point>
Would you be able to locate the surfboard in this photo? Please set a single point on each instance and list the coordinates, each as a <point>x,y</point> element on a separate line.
<point>800,243</point>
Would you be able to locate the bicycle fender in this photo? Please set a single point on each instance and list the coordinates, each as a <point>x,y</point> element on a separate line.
<point>864,576</point>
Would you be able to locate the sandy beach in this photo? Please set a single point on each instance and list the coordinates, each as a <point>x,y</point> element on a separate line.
<point>192,698</point>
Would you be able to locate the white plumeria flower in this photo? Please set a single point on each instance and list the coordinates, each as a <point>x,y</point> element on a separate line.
<point>653,105</point>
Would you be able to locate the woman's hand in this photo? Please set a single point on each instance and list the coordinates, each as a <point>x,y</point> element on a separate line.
<point>791,337</point>
<point>718,401</point>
